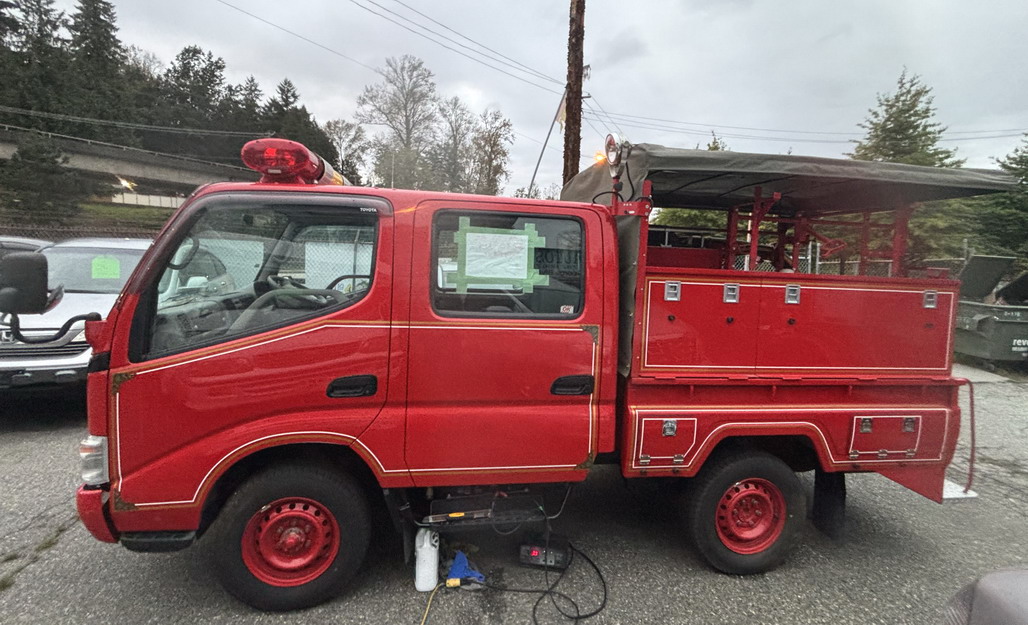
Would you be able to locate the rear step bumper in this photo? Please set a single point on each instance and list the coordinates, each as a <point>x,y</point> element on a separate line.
<point>951,491</point>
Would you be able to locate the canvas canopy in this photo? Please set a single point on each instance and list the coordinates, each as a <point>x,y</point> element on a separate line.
<point>722,179</point>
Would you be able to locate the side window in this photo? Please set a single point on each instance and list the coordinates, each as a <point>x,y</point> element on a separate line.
<point>331,256</point>
<point>507,264</point>
<point>243,270</point>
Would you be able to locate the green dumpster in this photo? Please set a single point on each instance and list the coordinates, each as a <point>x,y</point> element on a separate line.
<point>993,329</point>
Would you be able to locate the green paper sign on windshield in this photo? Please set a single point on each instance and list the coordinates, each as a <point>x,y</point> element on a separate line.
<point>106,268</point>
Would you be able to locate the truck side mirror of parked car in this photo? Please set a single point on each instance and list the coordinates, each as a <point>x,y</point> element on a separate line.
<point>23,282</point>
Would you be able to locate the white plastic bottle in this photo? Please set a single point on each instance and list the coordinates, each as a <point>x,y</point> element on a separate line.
<point>426,560</point>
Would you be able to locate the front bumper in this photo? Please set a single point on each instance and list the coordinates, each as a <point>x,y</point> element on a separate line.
<point>36,365</point>
<point>91,504</point>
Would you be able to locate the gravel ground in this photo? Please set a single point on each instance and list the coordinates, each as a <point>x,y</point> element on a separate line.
<point>901,559</point>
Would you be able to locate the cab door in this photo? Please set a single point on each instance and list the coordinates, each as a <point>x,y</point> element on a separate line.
<point>504,343</point>
<point>289,345</point>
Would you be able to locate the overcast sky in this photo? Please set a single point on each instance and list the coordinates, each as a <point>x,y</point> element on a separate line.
<point>765,75</point>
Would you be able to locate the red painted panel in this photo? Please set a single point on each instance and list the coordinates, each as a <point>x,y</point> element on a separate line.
<point>479,404</point>
<point>824,414</point>
<point>700,333</point>
<point>683,257</point>
<point>215,404</point>
<point>489,405</point>
<point>843,327</point>
<point>90,506</point>
<point>660,447</point>
<point>887,434</point>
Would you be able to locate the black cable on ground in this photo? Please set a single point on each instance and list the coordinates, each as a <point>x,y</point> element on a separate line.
<point>572,612</point>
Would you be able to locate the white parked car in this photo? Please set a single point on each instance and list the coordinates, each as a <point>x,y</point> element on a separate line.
<point>92,271</point>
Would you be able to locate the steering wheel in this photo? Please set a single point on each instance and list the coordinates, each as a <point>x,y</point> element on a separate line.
<point>299,299</point>
<point>276,281</point>
<point>332,284</point>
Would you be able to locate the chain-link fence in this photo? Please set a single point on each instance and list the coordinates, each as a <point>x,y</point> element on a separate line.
<point>60,233</point>
<point>742,263</point>
<point>877,267</point>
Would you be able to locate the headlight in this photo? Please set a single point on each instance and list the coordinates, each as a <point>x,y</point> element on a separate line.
<point>93,454</point>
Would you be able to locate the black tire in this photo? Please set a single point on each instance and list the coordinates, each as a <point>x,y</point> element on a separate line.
<point>331,492</point>
<point>758,474</point>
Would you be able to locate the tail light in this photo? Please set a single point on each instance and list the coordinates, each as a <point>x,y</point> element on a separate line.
<point>284,161</point>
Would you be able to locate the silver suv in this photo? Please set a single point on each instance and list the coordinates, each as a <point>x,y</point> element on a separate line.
<point>93,271</point>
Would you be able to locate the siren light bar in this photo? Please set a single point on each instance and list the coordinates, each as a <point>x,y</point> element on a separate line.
<point>290,162</point>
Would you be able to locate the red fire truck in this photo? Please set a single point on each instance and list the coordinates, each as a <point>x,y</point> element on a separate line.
<point>291,353</point>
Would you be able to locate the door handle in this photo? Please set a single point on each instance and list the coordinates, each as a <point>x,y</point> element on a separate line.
<point>353,386</point>
<point>573,385</point>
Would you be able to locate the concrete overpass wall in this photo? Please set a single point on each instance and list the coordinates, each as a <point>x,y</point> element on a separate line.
<point>135,164</point>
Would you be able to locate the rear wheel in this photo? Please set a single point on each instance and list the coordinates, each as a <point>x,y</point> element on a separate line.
<point>290,537</point>
<point>744,512</point>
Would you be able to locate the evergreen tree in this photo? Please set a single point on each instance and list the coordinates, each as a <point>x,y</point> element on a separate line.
<point>1003,225</point>
<point>37,188</point>
<point>299,125</point>
<point>195,85</point>
<point>902,129</point>
<point>40,76</point>
<point>248,98</point>
<point>190,94</point>
<point>284,100</point>
<point>98,63</point>
<point>9,30</point>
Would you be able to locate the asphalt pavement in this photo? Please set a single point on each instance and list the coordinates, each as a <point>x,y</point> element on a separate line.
<point>900,560</point>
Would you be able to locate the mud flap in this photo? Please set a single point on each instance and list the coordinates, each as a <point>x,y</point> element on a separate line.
<point>927,481</point>
<point>829,510</point>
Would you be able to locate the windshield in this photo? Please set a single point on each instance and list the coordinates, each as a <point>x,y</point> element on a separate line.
<point>90,270</point>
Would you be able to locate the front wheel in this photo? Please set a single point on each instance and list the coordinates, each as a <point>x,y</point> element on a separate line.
<point>290,537</point>
<point>745,511</point>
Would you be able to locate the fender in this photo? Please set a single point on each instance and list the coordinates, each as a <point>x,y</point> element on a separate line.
<point>172,491</point>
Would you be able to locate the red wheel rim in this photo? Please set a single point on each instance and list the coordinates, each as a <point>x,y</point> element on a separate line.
<point>290,541</point>
<point>750,516</point>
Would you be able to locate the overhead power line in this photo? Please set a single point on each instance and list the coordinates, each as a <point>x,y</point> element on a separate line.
<point>443,45</point>
<point>299,36</point>
<point>793,131</point>
<point>590,121</point>
<point>128,125</point>
<point>351,59</point>
<point>730,135</point>
<point>614,117</point>
<point>482,45</point>
<point>492,56</point>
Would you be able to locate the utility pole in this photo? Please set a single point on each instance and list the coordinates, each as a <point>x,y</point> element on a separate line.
<point>573,101</point>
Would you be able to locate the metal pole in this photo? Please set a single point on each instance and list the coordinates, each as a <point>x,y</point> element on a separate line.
<point>548,133</point>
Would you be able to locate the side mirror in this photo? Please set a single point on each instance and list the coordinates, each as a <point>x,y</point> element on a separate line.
<point>23,281</point>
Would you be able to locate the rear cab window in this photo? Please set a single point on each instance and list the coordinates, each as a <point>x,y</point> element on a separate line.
<point>505,264</point>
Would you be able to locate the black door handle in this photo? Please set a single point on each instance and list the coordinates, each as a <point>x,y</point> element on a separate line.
<point>353,386</point>
<point>573,385</point>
